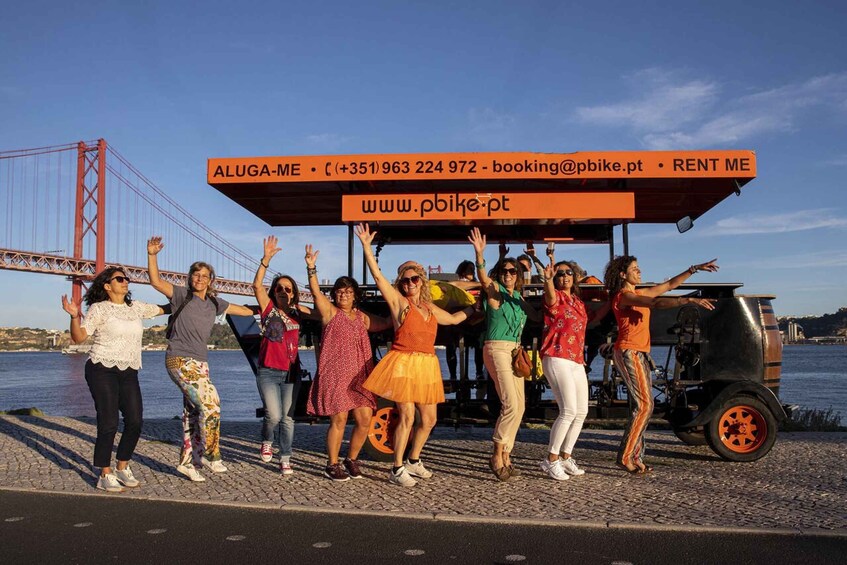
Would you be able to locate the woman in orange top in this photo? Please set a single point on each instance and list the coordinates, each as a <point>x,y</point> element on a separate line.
<point>632,349</point>
<point>410,373</point>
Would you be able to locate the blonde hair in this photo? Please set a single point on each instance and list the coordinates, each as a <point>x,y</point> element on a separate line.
<point>426,295</point>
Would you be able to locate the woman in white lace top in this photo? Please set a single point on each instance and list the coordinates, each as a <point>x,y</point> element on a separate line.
<point>113,321</point>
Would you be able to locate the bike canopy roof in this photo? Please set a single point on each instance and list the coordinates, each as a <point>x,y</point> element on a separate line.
<point>436,197</point>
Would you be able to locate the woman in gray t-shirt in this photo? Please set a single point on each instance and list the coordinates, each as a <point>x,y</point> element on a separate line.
<point>194,310</point>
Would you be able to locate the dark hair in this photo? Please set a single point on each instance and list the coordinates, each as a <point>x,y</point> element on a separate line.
<point>612,275</point>
<point>465,268</point>
<point>573,267</point>
<point>347,282</point>
<point>497,270</point>
<point>196,266</point>
<point>97,291</point>
<point>295,296</point>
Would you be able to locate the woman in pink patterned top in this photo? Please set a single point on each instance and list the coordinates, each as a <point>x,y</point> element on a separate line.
<point>562,352</point>
<point>345,361</point>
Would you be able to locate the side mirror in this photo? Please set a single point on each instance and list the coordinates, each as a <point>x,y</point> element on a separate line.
<point>684,224</point>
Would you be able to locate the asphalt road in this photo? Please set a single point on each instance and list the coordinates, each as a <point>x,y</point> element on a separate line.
<point>61,528</point>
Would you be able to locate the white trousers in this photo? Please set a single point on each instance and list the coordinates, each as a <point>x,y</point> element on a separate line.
<point>570,388</point>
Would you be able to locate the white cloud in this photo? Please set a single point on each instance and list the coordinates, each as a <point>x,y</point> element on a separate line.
<point>672,113</point>
<point>801,220</point>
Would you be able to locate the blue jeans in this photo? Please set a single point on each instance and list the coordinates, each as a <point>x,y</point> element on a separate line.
<point>278,400</point>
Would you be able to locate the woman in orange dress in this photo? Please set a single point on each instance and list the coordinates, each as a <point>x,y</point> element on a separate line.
<point>410,373</point>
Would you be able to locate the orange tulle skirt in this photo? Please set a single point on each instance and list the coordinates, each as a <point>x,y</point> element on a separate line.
<point>407,377</point>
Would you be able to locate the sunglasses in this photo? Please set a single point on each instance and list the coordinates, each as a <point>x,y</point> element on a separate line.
<point>509,271</point>
<point>344,291</point>
<point>285,289</point>
<point>567,272</point>
<point>119,279</point>
<point>410,280</point>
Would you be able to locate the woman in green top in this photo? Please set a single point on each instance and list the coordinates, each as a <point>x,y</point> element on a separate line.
<point>505,313</point>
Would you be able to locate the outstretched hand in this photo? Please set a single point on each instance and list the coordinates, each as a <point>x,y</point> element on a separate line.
<point>69,307</point>
<point>710,266</point>
<point>311,256</point>
<point>549,271</point>
<point>269,245</point>
<point>530,249</point>
<point>363,231</point>
<point>478,240</point>
<point>503,250</point>
<point>154,245</point>
<point>707,303</point>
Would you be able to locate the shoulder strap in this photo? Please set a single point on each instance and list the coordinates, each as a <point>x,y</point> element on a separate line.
<point>172,318</point>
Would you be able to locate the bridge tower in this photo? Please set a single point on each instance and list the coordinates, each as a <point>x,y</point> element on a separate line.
<point>90,213</point>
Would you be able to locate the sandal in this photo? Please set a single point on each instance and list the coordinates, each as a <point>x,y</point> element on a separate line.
<point>501,473</point>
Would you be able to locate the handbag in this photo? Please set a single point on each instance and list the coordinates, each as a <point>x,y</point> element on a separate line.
<point>521,363</point>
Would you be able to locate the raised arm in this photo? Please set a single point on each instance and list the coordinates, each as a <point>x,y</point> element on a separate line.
<point>239,310</point>
<point>395,302</point>
<point>78,333</point>
<point>549,287</point>
<point>659,289</point>
<point>530,252</point>
<point>478,241</point>
<point>154,246</point>
<point>322,303</point>
<point>269,245</point>
<point>631,299</point>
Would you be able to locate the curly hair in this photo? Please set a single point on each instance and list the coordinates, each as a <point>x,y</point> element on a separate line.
<point>426,295</point>
<point>612,275</point>
<point>97,291</point>
<point>497,270</point>
<point>295,296</point>
<point>196,266</point>
<point>572,265</point>
<point>347,282</point>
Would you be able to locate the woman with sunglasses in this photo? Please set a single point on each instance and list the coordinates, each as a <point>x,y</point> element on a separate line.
<point>632,306</point>
<point>194,308</point>
<point>562,358</point>
<point>505,313</point>
<point>278,377</point>
<point>113,321</point>
<point>410,374</point>
<point>345,361</point>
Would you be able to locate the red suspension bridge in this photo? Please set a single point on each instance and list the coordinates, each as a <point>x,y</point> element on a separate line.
<point>74,209</point>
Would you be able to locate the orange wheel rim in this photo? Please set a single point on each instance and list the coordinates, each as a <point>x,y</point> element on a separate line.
<point>743,429</point>
<point>383,423</point>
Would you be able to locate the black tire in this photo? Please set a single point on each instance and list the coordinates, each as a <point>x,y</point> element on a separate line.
<point>743,429</point>
<point>695,436</point>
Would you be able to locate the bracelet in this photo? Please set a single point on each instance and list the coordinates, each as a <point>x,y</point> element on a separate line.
<point>692,269</point>
<point>312,271</point>
<point>262,263</point>
<point>75,317</point>
<point>481,265</point>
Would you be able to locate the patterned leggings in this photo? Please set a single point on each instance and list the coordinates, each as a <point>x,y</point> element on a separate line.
<point>634,367</point>
<point>201,409</point>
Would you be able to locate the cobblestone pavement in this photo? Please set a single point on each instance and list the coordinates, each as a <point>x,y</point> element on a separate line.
<point>800,486</point>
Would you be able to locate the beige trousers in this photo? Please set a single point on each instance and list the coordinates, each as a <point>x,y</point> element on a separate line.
<point>497,356</point>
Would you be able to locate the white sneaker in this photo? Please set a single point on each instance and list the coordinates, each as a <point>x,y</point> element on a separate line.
<point>126,477</point>
<point>190,472</point>
<point>109,483</point>
<point>554,469</point>
<point>570,467</point>
<point>267,452</point>
<point>214,466</point>
<point>402,478</point>
<point>418,470</point>
<point>285,468</point>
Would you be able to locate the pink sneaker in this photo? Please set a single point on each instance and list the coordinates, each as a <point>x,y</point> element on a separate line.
<point>267,453</point>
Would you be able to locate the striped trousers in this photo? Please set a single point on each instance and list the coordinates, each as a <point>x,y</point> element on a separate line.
<point>635,368</point>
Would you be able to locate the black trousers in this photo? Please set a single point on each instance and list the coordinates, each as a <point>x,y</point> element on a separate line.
<point>114,390</point>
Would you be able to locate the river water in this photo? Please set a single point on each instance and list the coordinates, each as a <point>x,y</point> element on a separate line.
<point>813,376</point>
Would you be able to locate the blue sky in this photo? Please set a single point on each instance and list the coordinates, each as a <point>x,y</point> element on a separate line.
<point>172,84</point>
